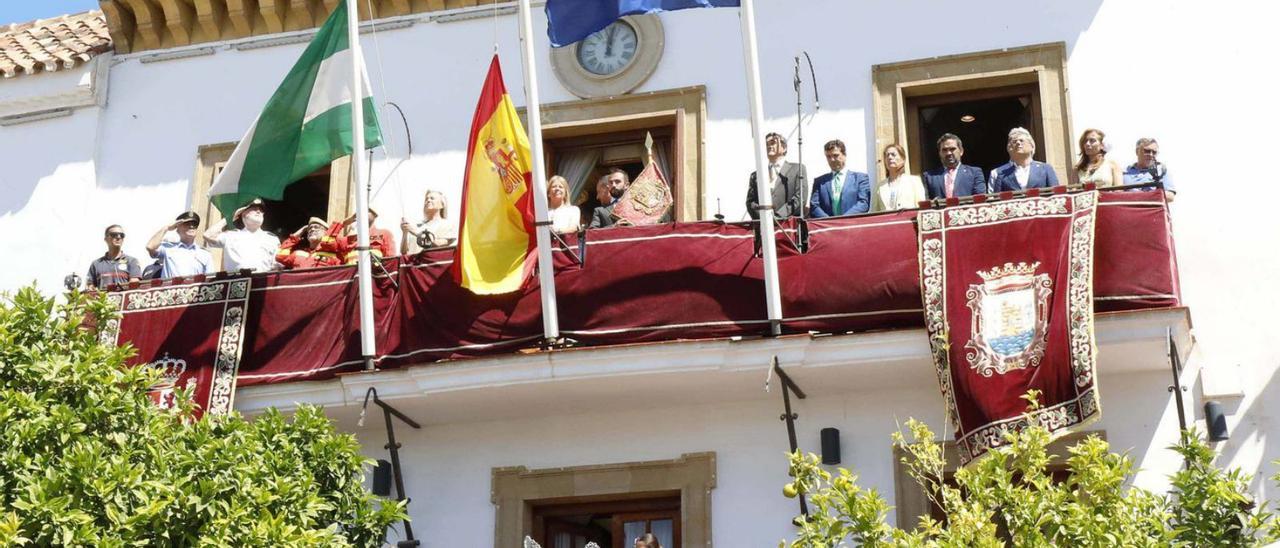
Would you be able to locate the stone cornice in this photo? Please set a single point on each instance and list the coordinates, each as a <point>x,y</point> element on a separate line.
<point>142,25</point>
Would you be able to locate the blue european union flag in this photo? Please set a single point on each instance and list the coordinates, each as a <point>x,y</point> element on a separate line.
<point>571,20</point>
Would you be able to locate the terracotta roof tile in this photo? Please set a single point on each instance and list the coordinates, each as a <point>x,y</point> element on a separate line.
<point>47,45</point>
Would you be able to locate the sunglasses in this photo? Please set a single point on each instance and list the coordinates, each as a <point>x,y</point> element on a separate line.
<point>115,234</point>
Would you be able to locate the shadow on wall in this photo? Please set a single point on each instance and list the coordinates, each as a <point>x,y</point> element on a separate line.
<point>852,36</point>
<point>50,151</point>
<point>1254,442</point>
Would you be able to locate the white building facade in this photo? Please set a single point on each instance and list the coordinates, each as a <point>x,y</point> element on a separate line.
<point>133,138</point>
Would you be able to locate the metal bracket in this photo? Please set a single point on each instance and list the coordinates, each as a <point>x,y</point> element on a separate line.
<point>789,386</point>
<point>393,446</point>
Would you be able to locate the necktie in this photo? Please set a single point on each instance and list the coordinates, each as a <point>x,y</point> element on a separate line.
<point>951,183</point>
<point>837,184</point>
<point>773,174</point>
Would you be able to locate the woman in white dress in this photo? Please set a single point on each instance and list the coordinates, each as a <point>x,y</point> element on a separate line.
<point>565,217</point>
<point>1094,167</point>
<point>434,230</point>
<point>899,189</point>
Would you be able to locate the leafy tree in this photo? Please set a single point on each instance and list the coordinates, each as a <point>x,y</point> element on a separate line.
<point>1010,497</point>
<point>86,459</point>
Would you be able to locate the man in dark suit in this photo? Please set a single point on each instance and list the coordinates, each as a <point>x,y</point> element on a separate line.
<point>840,192</point>
<point>615,183</point>
<point>787,180</point>
<point>1022,172</point>
<point>953,179</point>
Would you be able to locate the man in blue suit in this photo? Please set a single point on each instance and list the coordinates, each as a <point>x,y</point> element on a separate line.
<point>840,192</point>
<point>953,179</point>
<point>1022,172</point>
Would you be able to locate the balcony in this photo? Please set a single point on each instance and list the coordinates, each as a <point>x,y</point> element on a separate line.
<point>673,311</point>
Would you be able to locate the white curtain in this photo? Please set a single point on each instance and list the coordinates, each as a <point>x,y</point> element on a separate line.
<point>662,156</point>
<point>575,166</point>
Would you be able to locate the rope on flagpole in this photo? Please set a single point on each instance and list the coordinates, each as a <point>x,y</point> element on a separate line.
<point>389,144</point>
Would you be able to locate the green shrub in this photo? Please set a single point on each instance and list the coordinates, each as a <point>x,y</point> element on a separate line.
<point>86,459</point>
<point>1010,498</point>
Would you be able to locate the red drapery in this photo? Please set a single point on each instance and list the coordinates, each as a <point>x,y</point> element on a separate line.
<point>639,284</point>
<point>1007,289</point>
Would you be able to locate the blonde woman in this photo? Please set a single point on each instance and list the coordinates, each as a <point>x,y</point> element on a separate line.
<point>1094,167</point>
<point>898,189</point>
<point>565,217</point>
<point>434,230</point>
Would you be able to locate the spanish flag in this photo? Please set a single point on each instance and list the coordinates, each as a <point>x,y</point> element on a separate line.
<point>496,240</point>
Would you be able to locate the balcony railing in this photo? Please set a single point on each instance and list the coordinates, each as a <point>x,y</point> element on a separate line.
<point>679,281</point>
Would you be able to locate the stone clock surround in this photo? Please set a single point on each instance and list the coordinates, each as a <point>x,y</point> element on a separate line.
<point>579,81</point>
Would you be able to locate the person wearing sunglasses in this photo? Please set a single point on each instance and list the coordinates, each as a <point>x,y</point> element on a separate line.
<point>115,267</point>
<point>183,257</point>
<point>1148,169</point>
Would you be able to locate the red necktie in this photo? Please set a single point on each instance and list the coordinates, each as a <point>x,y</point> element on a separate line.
<point>951,183</point>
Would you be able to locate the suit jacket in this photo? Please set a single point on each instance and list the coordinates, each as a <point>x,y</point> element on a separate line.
<point>788,194</point>
<point>855,195</point>
<point>1041,176</point>
<point>602,217</point>
<point>969,181</point>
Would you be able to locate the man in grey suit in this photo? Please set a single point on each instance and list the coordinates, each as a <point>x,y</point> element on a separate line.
<point>787,179</point>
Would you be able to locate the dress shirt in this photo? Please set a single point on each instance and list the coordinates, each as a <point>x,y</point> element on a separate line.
<point>837,186</point>
<point>254,250</point>
<point>1135,175</point>
<point>181,259</point>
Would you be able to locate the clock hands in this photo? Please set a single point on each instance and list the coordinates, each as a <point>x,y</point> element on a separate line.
<point>608,41</point>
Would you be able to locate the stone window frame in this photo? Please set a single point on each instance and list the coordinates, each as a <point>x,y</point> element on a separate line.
<point>910,501</point>
<point>516,490</point>
<point>210,159</point>
<point>1044,65</point>
<point>684,108</point>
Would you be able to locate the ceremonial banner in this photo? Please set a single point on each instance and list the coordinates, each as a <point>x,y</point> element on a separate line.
<point>647,201</point>
<point>204,353</point>
<point>304,126</point>
<point>1007,288</point>
<point>496,240</point>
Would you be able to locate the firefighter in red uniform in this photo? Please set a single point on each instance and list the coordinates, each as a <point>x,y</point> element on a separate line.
<point>315,244</point>
<point>381,243</point>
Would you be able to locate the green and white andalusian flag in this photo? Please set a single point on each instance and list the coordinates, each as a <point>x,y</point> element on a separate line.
<point>305,125</point>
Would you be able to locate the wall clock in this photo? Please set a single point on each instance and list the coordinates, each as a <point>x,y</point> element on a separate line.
<point>613,61</point>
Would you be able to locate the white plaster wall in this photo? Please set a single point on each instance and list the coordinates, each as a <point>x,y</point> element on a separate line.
<point>1194,75</point>
<point>448,467</point>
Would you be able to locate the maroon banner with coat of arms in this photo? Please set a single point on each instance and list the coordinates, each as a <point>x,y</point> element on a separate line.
<point>203,354</point>
<point>1007,288</point>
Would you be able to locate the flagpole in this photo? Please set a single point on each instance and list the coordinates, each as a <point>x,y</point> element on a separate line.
<point>368,345</point>
<point>546,268</point>
<point>773,298</point>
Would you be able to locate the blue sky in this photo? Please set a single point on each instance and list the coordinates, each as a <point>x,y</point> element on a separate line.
<point>21,11</point>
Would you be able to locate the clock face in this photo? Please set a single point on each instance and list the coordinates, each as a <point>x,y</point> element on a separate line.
<point>610,50</point>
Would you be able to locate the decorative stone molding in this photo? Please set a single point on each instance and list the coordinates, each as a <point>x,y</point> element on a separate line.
<point>1043,66</point>
<point>140,25</point>
<point>516,489</point>
<point>90,89</point>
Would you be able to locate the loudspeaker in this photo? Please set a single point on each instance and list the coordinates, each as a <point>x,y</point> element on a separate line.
<point>1216,421</point>
<point>382,478</point>
<point>830,446</point>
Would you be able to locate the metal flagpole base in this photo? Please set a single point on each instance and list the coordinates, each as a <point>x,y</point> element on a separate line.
<point>368,364</point>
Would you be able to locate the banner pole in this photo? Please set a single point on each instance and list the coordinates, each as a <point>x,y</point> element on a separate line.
<point>773,298</point>
<point>546,268</point>
<point>368,345</point>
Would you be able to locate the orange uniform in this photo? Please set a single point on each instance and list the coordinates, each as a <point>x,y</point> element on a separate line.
<point>295,253</point>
